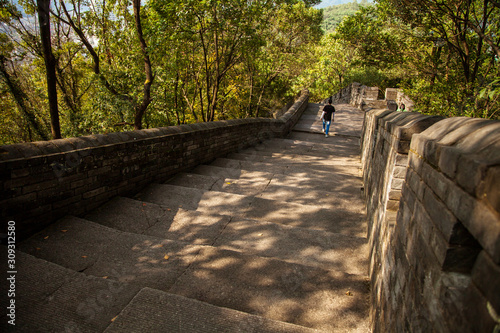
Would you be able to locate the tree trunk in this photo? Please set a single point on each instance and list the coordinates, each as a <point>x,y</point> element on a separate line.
<point>21,99</point>
<point>146,98</point>
<point>50,65</point>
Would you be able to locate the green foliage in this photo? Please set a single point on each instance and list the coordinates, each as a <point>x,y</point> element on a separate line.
<point>210,60</point>
<point>443,54</point>
<point>454,54</point>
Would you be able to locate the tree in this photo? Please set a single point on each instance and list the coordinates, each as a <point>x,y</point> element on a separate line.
<point>25,124</point>
<point>219,33</point>
<point>22,102</point>
<point>43,7</point>
<point>119,64</point>
<point>76,24</point>
<point>335,59</point>
<point>368,31</point>
<point>463,25</point>
<point>464,42</point>
<point>146,99</point>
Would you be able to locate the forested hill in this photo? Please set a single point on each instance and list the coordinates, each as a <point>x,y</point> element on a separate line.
<point>334,14</point>
<point>328,3</point>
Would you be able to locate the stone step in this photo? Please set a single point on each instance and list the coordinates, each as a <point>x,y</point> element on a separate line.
<point>253,166</point>
<point>345,147</point>
<point>293,293</point>
<point>317,136</point>
<point>51,298</point>
<point>275,289</point>
<point>220,172</point>
<point>147,218</point>
<point>330,183</point>
<point>339,220</point>
<point>306,146</point>
<point>243,185</point>
<point>309,247</point>
<point>291,169</point>
<point>265,239</point>
<point>94,249</point>
<point>56,299</point>
<point>346,193</point>
<point>319,163</point>
<point>152,310</point>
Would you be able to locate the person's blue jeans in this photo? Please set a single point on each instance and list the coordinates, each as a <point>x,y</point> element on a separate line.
<point>326,126</point>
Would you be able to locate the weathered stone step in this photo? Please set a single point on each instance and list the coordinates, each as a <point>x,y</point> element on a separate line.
<point>296,245</point>
<point>152,310</point>
<point>344,147</point>
<point>265,239</point>
<point>346,193</point>
<point>294,293</point>
<point>290,169</point>
<point>330,183</point>
<point>220,172</point>
<point>340,220</point>
<point>93,249</point>
<point>147,218</point>
<point>316,136</point>
<point>243,185</point>
<point>297,294</point>
<point>319,163</point>
<point>251,166</point>
<point>51,298</point>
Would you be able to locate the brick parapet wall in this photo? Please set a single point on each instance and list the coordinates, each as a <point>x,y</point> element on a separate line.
<point>435,263</point>
<point>43,181</point>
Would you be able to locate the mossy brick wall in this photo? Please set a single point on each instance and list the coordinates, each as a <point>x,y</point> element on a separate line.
<point>432,188</point>
<point>43,181</point>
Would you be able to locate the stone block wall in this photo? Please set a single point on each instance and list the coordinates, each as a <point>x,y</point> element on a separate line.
<point>432,187</point>
<point>43,181</point>
<point>362,95</point>
<point>391,94</point>
<point>366,98</point>
<point>344,96</point>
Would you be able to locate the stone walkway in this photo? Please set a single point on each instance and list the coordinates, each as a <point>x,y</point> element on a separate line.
<point>268,239</point>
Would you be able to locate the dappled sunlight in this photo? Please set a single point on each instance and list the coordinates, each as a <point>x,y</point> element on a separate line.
<point>147,260</point>
<point>219,263</point>
<point>313,297</point>
<point>304,246</point>
<point>277,230</point>
<point>338,195</point>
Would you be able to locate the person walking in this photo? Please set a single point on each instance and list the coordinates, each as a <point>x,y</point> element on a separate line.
<point>327,116</point>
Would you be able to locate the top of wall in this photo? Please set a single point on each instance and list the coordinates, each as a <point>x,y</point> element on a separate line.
<point>467,152</point>
<point>40,148</point>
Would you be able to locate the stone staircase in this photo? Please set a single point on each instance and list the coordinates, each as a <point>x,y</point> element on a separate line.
<point>269,239</point>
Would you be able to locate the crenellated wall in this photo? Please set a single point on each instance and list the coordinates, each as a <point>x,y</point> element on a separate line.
<point>432,188</point>
<point>43,181</point>
<point>366,98</point>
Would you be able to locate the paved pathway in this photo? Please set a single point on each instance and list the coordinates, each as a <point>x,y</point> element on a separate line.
<point>268,239</point>
<point>348,120</point>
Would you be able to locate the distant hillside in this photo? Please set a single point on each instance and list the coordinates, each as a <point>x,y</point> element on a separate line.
<point>328,3</point>
<point>333,15</point>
